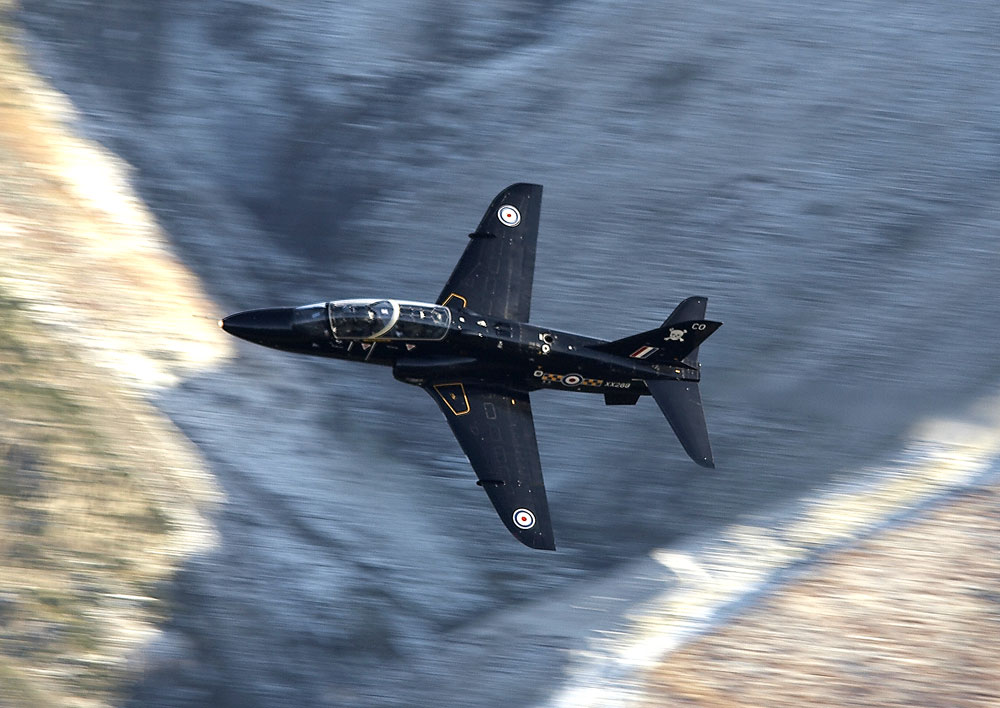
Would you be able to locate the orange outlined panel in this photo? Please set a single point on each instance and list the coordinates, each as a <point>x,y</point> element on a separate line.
<point>456,296</point>
<point>453,394</point>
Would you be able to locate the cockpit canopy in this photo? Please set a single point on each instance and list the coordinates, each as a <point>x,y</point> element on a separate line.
<point>388,319</point>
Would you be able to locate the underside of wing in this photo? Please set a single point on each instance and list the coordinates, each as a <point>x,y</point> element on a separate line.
<point>497,433</point>
<point>495,274</point>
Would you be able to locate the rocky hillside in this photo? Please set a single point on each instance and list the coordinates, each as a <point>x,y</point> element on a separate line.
<point>826,175</point>
<point>101,498</point>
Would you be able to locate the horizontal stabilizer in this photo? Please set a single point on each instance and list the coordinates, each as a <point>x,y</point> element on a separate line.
<point>665,345</point>
<point>680,402</point>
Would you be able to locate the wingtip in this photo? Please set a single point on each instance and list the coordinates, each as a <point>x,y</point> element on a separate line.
<point>537,541</point>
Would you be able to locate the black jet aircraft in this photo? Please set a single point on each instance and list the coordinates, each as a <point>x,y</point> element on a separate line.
<point>476,355</point>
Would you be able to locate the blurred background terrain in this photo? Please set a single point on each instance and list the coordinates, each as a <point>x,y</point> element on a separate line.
<point>828,176</point>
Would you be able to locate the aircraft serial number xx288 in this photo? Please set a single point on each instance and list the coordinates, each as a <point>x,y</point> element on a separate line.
<point>476,355</point>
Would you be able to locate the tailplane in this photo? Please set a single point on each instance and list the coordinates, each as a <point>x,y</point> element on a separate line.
<point>680,402</point>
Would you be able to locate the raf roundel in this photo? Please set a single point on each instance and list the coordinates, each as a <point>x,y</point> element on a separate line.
<point>509,216</point>
<point>524,519</point>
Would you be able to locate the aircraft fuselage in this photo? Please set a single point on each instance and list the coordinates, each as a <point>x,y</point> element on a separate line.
<point>518,354</point>
<point>477,357</point>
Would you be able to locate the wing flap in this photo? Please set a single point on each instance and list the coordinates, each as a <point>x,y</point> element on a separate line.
<point>496,431</point>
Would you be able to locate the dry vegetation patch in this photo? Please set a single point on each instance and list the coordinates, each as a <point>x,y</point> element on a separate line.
<point>93,516</point>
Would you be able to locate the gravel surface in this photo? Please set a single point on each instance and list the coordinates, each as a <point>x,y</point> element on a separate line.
<point>908,618</point>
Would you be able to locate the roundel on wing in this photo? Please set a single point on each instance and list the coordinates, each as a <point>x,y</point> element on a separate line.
<point>508,215</point>
<point>524,519</point>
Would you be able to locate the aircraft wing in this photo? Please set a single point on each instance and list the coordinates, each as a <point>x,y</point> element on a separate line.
<point>495,273</point>
<point>497,433</point>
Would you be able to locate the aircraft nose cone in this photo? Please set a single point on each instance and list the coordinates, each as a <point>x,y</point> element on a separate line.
<point>267,326</point>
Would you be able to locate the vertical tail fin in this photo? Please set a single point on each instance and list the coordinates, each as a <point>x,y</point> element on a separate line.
<point>680,401</point>
<point>693,308</point>
<point>675,343</point>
